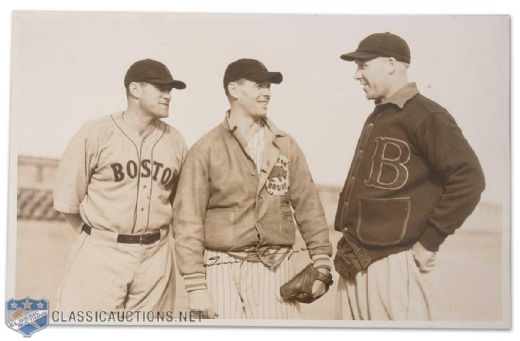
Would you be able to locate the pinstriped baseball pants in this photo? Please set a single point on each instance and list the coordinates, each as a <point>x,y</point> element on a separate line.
<point>248,290</point>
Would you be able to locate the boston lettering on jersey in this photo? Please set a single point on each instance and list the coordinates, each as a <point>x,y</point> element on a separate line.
<point>158,172</point>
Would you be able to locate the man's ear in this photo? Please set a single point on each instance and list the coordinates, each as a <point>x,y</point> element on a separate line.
<point>134,89</point>
<point>392,65</point>
<point>233,89</point>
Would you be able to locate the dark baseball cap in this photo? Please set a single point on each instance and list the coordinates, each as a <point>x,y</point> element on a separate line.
<point>250,69</point>
<point>380,45</point>
<point>151,71</point>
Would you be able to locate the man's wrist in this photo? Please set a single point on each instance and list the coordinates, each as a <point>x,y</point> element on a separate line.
<point>432,238</point>
<point>325,278</point>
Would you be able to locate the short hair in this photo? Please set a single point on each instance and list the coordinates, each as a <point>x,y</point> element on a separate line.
<point>239,81</point>
<point>127,88</point>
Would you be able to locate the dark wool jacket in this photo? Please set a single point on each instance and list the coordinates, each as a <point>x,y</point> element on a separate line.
<point>414,177</point>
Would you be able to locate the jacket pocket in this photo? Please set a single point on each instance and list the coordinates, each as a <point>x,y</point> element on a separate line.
<point>383,221</point>
<point>219,216</point>
<point>219,228</point>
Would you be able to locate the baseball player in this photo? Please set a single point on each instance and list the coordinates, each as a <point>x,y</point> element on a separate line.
<point>233,214</point>
<point>413,181</point>
<point>116,183</point>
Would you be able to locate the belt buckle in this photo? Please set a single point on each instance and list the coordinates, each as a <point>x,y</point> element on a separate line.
<point>148,238</point>
<point>144,239</point>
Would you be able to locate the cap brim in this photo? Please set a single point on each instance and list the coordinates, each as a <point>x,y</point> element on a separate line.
<point>179,85</point>
<point>357,55</point>
<point>273,77</point>
<point>176,84</point>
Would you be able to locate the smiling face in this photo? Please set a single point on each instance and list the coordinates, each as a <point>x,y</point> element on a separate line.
<point>374,77</point>
<point>252,97</point>
<point>154,99</point>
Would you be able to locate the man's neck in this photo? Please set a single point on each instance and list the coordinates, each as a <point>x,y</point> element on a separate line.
<point>138,121</point>
<point>394,87</point>
<point>247,126</point>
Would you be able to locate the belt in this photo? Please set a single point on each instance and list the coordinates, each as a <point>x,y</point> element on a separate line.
<point>145,238</point>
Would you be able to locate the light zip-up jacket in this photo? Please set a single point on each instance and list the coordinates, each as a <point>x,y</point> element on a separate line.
<point>224,204</point>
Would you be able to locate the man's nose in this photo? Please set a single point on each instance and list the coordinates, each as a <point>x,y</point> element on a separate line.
<point>357,74</point>
<point>167,95</point>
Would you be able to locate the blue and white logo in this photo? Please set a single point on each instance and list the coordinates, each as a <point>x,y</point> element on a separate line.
<point>27,315</point>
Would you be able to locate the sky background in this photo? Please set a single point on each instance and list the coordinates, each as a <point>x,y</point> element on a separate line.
<point>68,68</point>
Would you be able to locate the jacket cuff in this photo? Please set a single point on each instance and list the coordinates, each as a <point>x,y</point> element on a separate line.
<point>196,281</point>
<point>321,261</point>
<point>432,238</point>
<point>322,250</point>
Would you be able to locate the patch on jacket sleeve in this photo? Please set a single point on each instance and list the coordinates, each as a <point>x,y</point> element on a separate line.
<point>278,181</point>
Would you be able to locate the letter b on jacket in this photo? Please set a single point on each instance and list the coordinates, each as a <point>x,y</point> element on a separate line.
<point>388,167</point>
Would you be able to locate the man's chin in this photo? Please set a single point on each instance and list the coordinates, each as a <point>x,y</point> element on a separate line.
<point>261,114</point>
<point>369,96</point>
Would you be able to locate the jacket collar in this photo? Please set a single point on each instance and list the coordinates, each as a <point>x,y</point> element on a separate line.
<point>402,95</point>
<point>230,124</point>
<point>271,151</point>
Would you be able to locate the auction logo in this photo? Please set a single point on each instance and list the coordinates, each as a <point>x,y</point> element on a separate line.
<point>27,315</point>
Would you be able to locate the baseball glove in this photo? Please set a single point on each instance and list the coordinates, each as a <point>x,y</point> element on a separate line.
<point>299,288</point>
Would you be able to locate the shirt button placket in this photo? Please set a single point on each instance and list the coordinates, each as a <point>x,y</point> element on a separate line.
<point>145,194</point>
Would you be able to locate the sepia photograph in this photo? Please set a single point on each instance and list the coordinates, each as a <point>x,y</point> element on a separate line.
<point>233,169</point>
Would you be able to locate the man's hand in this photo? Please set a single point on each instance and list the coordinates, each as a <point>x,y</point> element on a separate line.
<point>424,258</point>
<point>199,300</point>
<point>319,288</point>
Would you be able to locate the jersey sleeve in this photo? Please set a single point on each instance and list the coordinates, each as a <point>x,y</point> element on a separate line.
<point>73,173</point>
